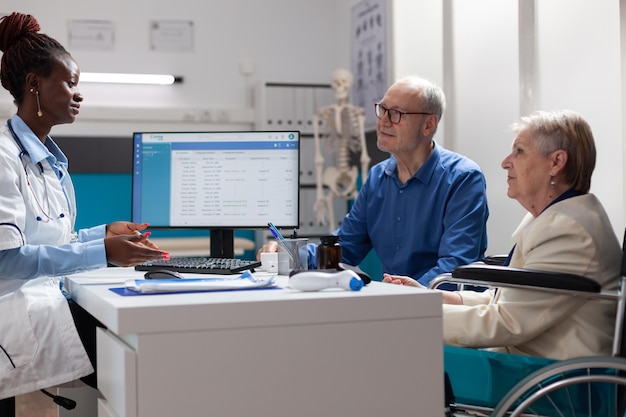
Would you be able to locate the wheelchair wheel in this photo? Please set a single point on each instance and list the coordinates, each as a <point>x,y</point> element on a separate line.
<point>589,387</point>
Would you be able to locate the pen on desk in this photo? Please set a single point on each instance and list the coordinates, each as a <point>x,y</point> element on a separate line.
<point>275,231</point>
<point>281,240</point>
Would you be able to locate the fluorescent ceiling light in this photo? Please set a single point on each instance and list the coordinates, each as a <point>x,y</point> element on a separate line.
<point>113,78</point>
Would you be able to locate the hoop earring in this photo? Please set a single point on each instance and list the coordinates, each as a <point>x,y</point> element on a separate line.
<point>39,113</point>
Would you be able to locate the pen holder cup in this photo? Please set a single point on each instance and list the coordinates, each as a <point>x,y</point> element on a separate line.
<point>296,258</point>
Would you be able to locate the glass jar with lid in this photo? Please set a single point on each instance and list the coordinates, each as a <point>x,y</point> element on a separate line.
<point>328,252</point>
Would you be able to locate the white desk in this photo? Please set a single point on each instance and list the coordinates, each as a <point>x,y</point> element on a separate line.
<point>267,353</point>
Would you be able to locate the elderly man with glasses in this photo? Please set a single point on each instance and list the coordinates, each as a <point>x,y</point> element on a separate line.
<point>424,209</point>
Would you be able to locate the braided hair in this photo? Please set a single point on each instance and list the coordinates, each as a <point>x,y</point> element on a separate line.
<point>25,50</point>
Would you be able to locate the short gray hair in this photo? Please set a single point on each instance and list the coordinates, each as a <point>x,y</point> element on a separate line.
<point>432,96</point>
<point>566,130</point>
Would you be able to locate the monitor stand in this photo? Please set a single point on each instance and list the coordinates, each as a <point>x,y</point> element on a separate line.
<point>222,243</point>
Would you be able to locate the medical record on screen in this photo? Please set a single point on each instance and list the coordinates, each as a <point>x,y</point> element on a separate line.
<point>216,179</point>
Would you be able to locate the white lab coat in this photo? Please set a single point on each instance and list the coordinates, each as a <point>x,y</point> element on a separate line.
<point>37,330</point>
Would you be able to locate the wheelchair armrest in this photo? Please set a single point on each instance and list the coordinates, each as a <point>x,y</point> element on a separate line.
<point>494,259</point>
<point>494,275</point>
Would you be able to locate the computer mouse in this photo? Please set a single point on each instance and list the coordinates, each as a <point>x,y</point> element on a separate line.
<point>162,274</point>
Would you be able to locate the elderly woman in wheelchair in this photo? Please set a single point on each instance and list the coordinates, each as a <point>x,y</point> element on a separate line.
<point>568,236</point>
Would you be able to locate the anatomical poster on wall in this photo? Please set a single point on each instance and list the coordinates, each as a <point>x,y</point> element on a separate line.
<point>369,56</point>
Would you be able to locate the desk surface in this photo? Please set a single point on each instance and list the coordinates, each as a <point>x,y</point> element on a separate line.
<point>215,310</point>
<point>273,352</point>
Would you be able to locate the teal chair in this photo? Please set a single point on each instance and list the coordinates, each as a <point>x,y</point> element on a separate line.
<point>500,384</point>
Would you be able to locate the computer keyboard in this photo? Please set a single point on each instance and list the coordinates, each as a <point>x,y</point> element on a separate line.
<point>200,265</point>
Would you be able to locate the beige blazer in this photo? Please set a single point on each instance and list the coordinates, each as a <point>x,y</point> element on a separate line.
<point>572,236</point>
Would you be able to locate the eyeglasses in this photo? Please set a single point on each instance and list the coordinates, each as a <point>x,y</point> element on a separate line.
<point>393,115</point>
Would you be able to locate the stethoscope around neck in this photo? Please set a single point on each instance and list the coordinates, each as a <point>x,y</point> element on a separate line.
<point>46,216</point>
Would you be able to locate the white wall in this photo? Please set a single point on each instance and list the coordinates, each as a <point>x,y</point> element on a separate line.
<point>578,67</point>
<point>417,37</point>
<point>486,100</point>
<point>283,41</point>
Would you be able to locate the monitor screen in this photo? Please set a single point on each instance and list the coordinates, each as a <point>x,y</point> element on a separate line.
<point>216,180</point>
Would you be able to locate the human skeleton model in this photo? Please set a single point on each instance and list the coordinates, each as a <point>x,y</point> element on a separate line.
<point>342,133</point>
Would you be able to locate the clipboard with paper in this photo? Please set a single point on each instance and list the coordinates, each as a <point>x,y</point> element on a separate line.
<point>244,282</point>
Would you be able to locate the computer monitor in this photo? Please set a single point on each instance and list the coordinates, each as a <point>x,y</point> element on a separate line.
<point>220,181</point>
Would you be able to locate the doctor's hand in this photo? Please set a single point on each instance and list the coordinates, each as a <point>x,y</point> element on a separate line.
<point>131,249</point>
<point>129,228</point>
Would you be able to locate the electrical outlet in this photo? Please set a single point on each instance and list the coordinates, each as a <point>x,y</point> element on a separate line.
<point>223,115</point>
<point>246,68</point>
<point>190,116</point>
<point>206,115</point>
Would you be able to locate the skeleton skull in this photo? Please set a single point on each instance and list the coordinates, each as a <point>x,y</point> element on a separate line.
<point>341,83</point>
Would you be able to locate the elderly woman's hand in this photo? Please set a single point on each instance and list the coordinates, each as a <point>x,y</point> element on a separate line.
<point>449,297</point>
<point>401,280</point>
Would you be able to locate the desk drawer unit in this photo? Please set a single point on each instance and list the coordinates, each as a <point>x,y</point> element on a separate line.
<point>117,376</point>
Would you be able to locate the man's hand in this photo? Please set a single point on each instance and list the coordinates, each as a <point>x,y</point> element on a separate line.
<point>401,280</point>
<point>271,246</point>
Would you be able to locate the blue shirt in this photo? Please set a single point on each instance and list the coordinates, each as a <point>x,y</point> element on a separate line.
<point>32,261</point>
<point>434,222</point>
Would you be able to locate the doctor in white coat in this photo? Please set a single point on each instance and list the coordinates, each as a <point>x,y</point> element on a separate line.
<point>39,342</point>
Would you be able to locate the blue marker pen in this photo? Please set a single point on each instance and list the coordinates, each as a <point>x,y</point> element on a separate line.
<point>281,240</point>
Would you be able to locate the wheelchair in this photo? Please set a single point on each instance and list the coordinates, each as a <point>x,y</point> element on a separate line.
<point>501,384</point>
